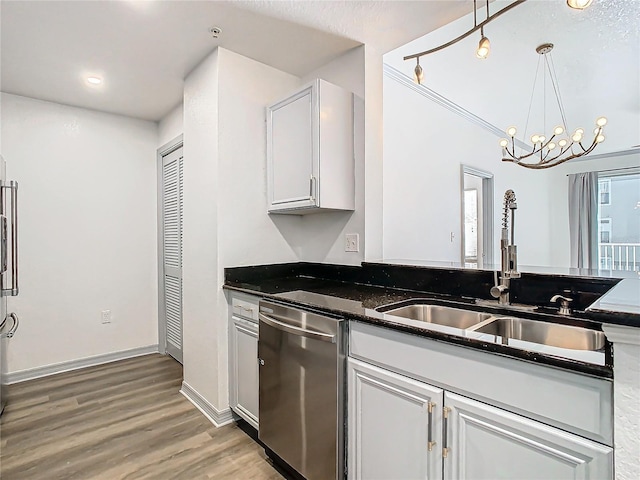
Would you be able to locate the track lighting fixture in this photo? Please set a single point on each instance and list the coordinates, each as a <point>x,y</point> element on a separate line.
<point>484,46</point>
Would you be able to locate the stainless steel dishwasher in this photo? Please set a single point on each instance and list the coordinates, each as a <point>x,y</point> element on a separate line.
<point>301,407</point>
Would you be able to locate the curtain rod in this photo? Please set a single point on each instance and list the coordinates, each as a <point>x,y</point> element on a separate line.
<point>610,170</point>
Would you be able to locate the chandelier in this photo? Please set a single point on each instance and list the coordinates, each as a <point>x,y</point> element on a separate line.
<point>547,152</point>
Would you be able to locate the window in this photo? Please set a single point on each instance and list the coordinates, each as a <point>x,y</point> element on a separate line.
<point>605,230</point>
<point>618,195</point>
<point>604,191</point>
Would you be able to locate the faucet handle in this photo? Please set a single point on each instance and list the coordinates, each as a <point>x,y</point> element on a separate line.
<point>498,290</point>
<point>564,304</point>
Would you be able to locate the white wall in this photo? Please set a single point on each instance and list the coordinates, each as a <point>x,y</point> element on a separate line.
<point>200,234</point>
<point>424,147</point>
<point>247,235</point>
<point>87,230</point>
<point>323,237</point>
<point>171,125</point>
<point>374,215</point>
<point>225,203</point>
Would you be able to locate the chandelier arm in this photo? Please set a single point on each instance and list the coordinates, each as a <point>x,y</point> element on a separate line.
<point>534,152</point>
<point>584,150</point>
<point>552,161</point>
<point>537,166</point>
<point>467,33</point>
<point>544,160</point>
<point>593,145</point>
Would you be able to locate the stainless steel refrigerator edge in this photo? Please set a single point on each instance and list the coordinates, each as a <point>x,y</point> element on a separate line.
<point>301,401</point>
<point>8,223</point>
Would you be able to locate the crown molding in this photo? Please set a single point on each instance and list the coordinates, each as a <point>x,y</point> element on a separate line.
<point>395,74</point>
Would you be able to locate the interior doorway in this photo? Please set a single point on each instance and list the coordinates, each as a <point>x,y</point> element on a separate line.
<point>477,217</point>
<point>170,208</point>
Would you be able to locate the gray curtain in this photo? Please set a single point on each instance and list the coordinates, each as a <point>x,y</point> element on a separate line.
<point>583,219</point>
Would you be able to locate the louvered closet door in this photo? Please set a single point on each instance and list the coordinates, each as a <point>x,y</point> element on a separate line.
<point>172,250</point>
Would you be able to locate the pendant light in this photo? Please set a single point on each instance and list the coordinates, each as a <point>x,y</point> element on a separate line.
<point>579,4</point>
<point>484,46</point>
<point>418,73</point>
<point>559,147</point>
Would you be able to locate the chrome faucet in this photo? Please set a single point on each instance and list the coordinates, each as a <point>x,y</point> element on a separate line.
<point>564,309</point>
<point>508,250</point>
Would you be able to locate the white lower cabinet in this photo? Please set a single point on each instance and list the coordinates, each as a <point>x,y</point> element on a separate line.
<point>243,360</point>
<point>393,418</point>
<point>486,442</point>
<point>246,370</point>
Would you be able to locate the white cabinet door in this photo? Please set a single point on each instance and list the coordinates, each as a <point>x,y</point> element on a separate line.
<point>486,442</point>
<point>292,139</point>
<point>390,425</point>
<point>244,381</point>
<point>310,153</point>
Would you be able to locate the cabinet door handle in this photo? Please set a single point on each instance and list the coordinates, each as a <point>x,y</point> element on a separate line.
<point>430,442</point>
<point>445,430</point>
<point>312,188</point>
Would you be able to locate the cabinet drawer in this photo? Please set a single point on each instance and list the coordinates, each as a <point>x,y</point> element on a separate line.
<point>245,307</point>
<point>570,401</point>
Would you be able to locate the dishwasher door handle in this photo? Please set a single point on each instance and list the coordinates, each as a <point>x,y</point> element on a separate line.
<point>292,329</point>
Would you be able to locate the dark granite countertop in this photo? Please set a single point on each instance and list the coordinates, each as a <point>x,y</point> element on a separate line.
<point>357,301</point>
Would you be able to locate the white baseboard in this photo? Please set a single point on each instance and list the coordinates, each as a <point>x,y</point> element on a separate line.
<point>218,417</point>
<point>46,370</point>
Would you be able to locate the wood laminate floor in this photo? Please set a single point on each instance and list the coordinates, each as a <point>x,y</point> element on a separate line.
<point>122,420</point>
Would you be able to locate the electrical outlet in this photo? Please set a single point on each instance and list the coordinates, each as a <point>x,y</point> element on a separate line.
<point>352,242</point>
<point>106,316</point>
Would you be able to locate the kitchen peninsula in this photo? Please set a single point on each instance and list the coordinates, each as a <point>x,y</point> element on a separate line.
<point>537,394</point>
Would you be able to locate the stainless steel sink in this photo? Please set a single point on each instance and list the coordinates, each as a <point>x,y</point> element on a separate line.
<point>551,334</point>
<point>448,316</point>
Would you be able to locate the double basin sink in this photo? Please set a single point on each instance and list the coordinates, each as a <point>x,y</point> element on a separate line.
<point>504,327</point>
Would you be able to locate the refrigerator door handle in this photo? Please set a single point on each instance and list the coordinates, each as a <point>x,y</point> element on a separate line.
<point>3,243</point>
<point>14,328</point>
<point>12,186</point>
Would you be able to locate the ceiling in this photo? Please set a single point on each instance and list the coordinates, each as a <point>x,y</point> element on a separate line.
<point>143,49</point>
<point>596,57</point>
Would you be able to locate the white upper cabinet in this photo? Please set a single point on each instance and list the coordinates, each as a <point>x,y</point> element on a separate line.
<point>310,159</point>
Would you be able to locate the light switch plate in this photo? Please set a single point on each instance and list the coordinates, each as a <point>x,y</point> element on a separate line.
<point>352,242</point>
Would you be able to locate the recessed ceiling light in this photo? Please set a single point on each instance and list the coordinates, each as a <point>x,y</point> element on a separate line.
<point>94,80</point>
